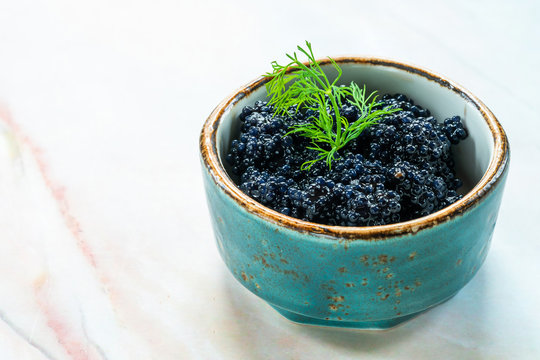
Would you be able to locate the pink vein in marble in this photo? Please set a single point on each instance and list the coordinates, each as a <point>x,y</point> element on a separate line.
<point>70,335</point>
<point>67,337</point>
<point>57,191</point>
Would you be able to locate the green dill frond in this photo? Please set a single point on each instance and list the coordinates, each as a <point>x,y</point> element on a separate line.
<point>300,85</point>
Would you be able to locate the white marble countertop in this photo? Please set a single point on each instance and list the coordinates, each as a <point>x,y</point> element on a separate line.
<point>106,250</point>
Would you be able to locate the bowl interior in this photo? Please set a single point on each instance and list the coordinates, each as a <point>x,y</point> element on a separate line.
<point>472,155</point>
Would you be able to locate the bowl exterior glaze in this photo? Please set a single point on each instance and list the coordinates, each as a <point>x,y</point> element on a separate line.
<point>318,279</point>
<point>367,278</point>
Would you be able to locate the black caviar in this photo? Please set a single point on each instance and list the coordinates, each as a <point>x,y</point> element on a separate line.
<point>397,170</point>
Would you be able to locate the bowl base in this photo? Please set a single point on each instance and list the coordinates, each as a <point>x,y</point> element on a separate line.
<point>360,325</point>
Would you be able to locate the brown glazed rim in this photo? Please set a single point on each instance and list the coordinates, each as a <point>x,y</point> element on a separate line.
<point>496,168</point>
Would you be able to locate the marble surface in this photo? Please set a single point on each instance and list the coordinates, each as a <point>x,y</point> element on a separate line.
<point>106,250</point>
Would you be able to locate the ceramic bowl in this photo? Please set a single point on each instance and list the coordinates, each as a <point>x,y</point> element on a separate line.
<point>360,277</point>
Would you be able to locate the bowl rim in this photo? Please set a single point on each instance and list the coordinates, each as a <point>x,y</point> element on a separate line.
<point>492,176</point>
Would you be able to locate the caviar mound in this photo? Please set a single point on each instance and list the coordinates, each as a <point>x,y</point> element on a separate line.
<point>397,170</point>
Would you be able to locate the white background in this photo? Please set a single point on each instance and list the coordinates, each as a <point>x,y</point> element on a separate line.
<point>106,250</point>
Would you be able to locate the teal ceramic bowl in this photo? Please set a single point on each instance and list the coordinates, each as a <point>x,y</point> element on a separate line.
<point>360,277</point>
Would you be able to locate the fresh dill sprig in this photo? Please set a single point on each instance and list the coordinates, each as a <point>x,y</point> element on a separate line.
<point>305,85</point>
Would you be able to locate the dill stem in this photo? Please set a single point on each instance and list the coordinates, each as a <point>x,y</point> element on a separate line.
<point>338,121</point>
